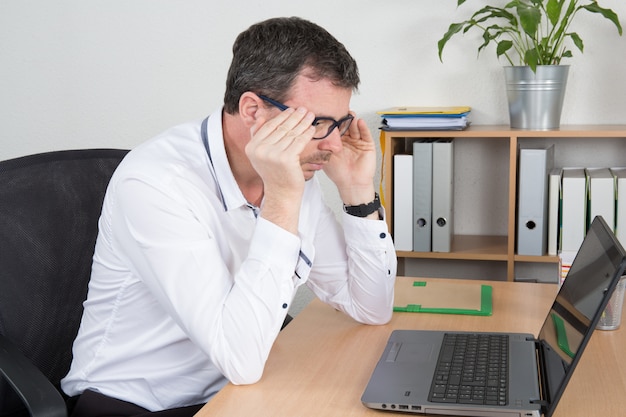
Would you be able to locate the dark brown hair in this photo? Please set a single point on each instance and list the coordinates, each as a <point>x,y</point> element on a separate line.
<point>269,55</point>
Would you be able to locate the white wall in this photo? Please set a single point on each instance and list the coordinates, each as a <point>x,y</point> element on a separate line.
<point>111,73</point>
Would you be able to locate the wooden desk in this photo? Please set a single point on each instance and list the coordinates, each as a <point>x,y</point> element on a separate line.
<point>321,363</point>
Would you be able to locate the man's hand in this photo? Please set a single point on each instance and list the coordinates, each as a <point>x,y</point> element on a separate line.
<point>274,152</point>
<point>353,168</point>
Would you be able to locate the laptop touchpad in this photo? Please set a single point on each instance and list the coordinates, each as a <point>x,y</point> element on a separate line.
<point>412,352</point>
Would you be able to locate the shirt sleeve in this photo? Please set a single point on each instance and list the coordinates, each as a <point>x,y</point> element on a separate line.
<point>232,313</point>
<point>355,267</point>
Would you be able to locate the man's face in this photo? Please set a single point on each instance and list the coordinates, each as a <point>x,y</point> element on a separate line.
<point>325,100</point>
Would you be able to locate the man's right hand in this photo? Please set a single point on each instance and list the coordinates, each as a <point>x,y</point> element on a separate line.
<point>274,152</point>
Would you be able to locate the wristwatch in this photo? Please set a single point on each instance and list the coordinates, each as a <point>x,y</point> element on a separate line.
<point>364,210</point>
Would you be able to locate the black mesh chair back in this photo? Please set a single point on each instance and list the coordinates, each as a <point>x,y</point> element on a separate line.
<point>49,209</point>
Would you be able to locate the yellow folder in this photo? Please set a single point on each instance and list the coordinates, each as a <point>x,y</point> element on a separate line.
<point>416,110</point>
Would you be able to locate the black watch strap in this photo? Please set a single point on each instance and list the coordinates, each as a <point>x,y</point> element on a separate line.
<point>364,210</point>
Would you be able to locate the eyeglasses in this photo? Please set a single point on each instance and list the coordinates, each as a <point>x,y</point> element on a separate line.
<point>324,126</point>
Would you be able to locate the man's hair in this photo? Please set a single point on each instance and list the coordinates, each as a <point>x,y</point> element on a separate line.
<point>269,55</point>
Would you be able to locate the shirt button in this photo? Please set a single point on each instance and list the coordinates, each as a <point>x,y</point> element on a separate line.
<point>284,305</point>
<point>383,235</point>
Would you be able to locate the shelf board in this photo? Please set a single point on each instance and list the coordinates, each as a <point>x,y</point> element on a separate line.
<point>468,247</point>
<point>505,131</point>
<point>552,259</point>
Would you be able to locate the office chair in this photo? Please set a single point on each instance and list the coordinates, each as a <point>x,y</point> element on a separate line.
<point>49,208</point>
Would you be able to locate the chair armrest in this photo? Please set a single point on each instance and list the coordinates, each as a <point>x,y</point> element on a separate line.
<point>41,397</point>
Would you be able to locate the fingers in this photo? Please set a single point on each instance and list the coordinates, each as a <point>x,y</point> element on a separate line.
<point>359,132</point>
<point>276,145</point>
<point>364,130</point>
<point>354,130</point>
<point>284,129</point>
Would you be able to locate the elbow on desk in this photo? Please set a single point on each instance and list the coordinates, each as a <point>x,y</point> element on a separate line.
<point>378,319</point>
<point>247,379</point>
<point>244,373</point>
<point>380,322</point>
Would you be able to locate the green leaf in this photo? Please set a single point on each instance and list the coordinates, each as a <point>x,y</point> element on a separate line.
<point>488,13</point>
<point>486,39</point>
<point>503,46</point>
<point>454,28</point>
<point>531,58</point>
<point>607,13</point>
<point>577,41</point>
<point>553,10</point>
<point>529,18</point>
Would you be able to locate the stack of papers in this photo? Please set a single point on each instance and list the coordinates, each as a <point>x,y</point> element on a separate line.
<point>425,118</point>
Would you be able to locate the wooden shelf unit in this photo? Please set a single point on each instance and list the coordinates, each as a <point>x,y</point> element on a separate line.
<point>479,247</point>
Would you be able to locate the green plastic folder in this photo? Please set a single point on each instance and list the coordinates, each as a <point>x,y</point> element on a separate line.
<point>443,297</point>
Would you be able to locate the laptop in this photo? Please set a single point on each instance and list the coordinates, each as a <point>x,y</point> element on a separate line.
<point>411,373</point>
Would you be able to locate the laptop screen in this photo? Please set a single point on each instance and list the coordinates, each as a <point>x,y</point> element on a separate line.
<point>578,306</point>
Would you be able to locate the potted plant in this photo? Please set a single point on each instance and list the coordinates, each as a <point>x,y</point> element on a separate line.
<point>533,36</point>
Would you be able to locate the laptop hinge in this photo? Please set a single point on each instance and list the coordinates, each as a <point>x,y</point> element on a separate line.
<point>543,404</point>
<point>543,377</point>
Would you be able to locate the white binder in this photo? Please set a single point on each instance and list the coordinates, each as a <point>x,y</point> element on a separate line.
<point>403,202</point>
<point>532,219</point>
<point>620,211</point>
<point>422,195</point>
<point>554,206</point>
<point>443,191</point>
<point>574,209</point>
<point>601,195</point>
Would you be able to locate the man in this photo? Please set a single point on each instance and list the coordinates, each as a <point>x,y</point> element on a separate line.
<point>208,230</point>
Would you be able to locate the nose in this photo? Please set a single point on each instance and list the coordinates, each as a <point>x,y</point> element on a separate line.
<point>331,142</point>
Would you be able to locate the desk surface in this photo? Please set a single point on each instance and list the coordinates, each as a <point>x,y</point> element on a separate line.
<point>321,363</point>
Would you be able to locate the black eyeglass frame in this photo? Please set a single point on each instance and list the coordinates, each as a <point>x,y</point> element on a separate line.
<point>335,123</point>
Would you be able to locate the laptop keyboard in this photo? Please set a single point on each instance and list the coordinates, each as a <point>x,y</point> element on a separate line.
<point>472,369</point>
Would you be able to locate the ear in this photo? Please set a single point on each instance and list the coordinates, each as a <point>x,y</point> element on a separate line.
<point>250,107</point>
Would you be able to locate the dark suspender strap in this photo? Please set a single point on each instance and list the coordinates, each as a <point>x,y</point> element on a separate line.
<point>205,140</point>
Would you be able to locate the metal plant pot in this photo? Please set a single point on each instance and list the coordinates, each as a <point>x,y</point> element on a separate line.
<point>536,98</point>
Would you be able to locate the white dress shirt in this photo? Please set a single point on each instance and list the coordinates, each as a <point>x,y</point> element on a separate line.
<point>189,287</point>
